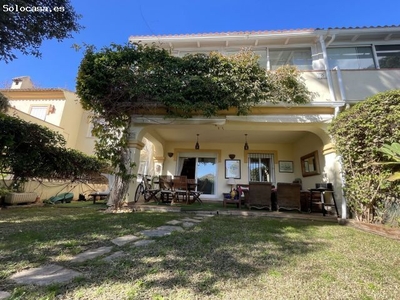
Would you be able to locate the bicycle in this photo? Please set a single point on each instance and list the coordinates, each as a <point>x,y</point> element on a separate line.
<point>144,189</point>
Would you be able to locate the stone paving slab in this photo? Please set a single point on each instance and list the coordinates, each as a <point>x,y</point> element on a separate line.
<point>90,254</point>
<point>188,224</point>
<point>4,295</point>
<point>155,232</point>
<point>192,220</point>
<point>115,256</point>
<point>44,275</point>
<point>122,240</point>
<point>174,222</point>
<point>170,228</point>
<point>143,243</point>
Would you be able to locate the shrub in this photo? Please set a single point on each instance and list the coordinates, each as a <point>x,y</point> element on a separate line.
<point>358,133</point>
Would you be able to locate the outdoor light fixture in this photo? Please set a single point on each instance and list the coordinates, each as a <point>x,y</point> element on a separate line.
<point>246,146</point>
<point>197,146</point>
<point>170,154</point>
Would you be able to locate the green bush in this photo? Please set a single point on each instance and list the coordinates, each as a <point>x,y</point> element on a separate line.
<point>358,133</point>
<point>32,151</point>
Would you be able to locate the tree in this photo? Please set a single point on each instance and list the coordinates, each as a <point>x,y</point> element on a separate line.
<point>4,103</point>
<point>120,80</point>
<point>24,24</point>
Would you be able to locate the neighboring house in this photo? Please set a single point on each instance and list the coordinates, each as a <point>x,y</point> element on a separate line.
<point>342,65</point>
<point>59,110</point>
<point>55,108</point>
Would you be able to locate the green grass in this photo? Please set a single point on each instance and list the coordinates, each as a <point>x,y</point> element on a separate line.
<point>224,257</point>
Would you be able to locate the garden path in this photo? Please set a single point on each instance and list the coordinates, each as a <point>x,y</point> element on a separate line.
<point>52,273</point>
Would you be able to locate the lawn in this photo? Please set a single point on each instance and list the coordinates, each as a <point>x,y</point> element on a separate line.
<point>224,257</point>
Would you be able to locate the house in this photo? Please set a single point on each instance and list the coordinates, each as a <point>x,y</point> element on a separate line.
<point>276,143</point>
<point>55,108</point>
<point>59,110</point>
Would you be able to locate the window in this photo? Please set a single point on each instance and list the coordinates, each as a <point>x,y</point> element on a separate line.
<point>299,57</point>
<point>388,56</point>
<point>261,167</point>
<point>39,112</point>
<point>351,58</point>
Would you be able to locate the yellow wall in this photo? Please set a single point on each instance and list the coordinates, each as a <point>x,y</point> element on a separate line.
<point>71,119</point>
<point>85,143</point>
<point>284,152</point>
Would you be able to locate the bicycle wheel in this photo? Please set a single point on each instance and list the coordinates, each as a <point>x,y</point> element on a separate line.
<point>139,191</point>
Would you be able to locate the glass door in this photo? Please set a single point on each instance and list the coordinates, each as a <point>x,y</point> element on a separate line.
<point>206,173</point>
<point>202,169</point>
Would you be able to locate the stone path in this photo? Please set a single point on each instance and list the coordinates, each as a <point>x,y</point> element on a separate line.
<point>49,274</point>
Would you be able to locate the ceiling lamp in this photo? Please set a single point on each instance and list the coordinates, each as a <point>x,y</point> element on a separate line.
<point>246,146</point>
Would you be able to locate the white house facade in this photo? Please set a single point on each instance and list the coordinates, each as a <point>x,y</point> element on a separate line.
<point>341,65</point>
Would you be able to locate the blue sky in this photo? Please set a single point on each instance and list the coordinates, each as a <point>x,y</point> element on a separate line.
<point>114,21</point>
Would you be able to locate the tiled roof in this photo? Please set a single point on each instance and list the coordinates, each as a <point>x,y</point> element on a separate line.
<point>233,33</point>
<point>35,90</point>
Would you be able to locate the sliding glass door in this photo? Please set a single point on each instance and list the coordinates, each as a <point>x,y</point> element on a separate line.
<point>202,169</point>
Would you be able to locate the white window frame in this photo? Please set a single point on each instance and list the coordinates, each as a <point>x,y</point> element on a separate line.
<point>43,108</point>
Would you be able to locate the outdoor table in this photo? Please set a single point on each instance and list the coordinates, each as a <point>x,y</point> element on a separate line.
<point>101,195</point>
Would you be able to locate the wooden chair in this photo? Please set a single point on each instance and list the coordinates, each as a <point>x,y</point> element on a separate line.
<point>194,193</point>
<point>151,194</point>
<point>258,195</point>
<point>165,182</point>
<point>180,188</point>
<point>288,196</point>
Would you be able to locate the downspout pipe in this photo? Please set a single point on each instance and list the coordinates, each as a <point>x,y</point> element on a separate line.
<point>333,97</point>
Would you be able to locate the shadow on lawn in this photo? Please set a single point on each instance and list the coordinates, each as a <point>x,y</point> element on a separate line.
<point>220,250</point>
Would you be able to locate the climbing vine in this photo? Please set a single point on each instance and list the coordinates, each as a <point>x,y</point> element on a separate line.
<point>118,81</point>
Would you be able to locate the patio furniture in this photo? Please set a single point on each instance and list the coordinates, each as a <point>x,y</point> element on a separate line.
<point>258,195</point>
<point>193,192</point>
<point>229,200</point>
<point>99,196</point>
<point>180,188</point>
<point>326,195</point>
<point>165,183</point>
<point>288,196</point>
<point>61,198</point>
<point>151,194</point>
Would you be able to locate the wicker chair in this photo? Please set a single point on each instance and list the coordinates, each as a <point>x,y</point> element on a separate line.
<point>258,195</point>
<point>288,196</point>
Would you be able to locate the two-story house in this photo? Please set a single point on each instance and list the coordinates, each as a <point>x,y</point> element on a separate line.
<point>341,65</point>
<point>55,108</point>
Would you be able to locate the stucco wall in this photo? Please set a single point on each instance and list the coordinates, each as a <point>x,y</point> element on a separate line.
<point>284,152</point>
<point>53,118</point>
<point>71,119</point>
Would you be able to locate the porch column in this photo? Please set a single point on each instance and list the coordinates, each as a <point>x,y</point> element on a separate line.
<point>135,146</point>
<point>333,173</point>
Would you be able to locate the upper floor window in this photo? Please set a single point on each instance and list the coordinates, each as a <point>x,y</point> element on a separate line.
<point>39,112</point>
<point>299,57</point>
<point>388,56</point>
<point>351,58</point>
